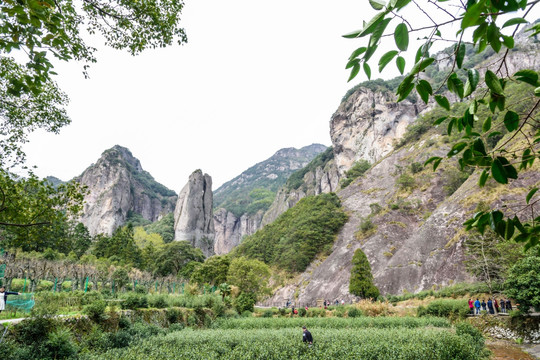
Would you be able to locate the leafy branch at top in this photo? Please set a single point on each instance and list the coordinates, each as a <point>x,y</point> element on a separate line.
<point>478,19</point>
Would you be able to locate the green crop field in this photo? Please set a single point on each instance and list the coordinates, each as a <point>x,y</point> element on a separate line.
<point>377,339</point>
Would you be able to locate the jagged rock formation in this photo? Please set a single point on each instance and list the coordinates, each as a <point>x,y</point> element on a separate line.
<point>193,220</point>
<point>411,232</point>
<point>118,186</point>
<point>237,214</point>
<point>324,178</point>
<point>366,125</point>
<point>230,230</point>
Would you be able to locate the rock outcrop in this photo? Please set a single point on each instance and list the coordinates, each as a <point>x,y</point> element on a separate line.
<point>118,187</point>
<point>403,217</point>
<point>193,220</point>
<point>230,230</point>
<point>366,125</point>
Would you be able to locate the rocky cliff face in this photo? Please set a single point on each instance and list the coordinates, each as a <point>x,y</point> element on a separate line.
<point>193,219</point>
<point>118,186</point>
<point>366,125</point>
<point>230,229</point>
<point>400,215</point>
<point>322,179</point>
<point>233,217</point>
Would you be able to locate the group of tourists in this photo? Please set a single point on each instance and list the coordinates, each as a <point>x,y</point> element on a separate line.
<point>492,306</point>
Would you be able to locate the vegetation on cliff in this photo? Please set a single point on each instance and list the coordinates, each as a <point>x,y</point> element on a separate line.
<point>298,235</point>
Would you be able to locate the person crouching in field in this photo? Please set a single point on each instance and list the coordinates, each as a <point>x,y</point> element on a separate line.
<point>3,297</point>
<point>306,337</point>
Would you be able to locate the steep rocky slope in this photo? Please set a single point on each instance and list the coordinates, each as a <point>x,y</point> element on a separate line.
<point>117,187</point>
<point>408,220</point>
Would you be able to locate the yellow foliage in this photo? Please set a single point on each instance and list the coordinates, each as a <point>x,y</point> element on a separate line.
<point>143,239</point>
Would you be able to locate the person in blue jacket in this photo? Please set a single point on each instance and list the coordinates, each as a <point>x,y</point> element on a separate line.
<point>477,306</point>
<point>3,297</point>
<point>490,306</point>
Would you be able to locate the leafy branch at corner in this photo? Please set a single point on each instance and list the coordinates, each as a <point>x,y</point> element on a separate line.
<point>478,20</point>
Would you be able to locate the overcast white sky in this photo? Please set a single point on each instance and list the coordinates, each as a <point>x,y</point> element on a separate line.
<point>256,76</point>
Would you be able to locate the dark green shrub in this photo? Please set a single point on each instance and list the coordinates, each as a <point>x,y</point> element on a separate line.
<point>354,312</point>
<point>90,297</point>
<point>416,167</point>
<point>405,181</point>
<point>245,302</point>
<point>60,345</point>
<point>445,308</point>
<point>173,315</point>
<point>176,327</point>
<point>134,301</point>
<point>96,310</point>
<point>302,312</point>
<point>361,281</point>
<point>158,302</point>
<point>466,329</point>
<point>268,314</point>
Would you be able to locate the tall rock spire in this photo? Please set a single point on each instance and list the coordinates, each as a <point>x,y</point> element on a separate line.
<point>193,220</point>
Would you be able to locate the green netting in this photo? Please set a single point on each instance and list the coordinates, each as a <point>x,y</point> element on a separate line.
<point>23,302</point>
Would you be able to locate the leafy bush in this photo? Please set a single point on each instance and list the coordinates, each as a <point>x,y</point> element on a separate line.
<point>268,314</point>
<point>134,301</point>
<point>96,310</point>
<point>361,281</point>
<point>60,345</point>
<point>464,328</point>
<point>445,308</point>
<point>245,302</point>
<point>523,283</point>
<point>354,312</point>
<point>357,170</point>
<point>158,302</point>
<point>302,312</point>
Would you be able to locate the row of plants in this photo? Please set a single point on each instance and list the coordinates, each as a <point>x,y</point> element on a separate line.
<point>331,323</point>
<point>380,344</point>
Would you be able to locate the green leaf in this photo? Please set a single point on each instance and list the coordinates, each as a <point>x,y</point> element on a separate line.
<point>377,4</point>
<point>509,169</point>
<point>421,65</point>
<point>354,72</point>
<point>527,76</point>
<point>493,83</point>
<point>531,194</point>
<point>508,41</point>
<point>400,63</point>
<point>511,121</point>
<point>497,170</point>
<point>367,70</point>
<point>483,178</point>
<point>369,52</point>
<point>378,32</point>
<point>424,90</point>
<point>514,21</point>
<point>401,36</point>
<point>436,160</point>
<point>509,231</point>
<point>351,63</point>
<point>473,77</point>
<point>442,101</point>
<point>460,55</point>
<point>457,148</point>
<point>486,126</point>
<point>472,15</point>
<point>372,24</point>
<point>440,120</point>
<point>357,52</point>
<point>537,91</point>
<point>386,58</point>
<point>455,85</point>
<point>405,88</point>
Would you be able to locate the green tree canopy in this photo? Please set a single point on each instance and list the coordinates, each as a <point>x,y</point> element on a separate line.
<point>173,257</point>
<point>361,282</point>
<point>523,283</point>
<point>213,271</point>
<point>251,276</point>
